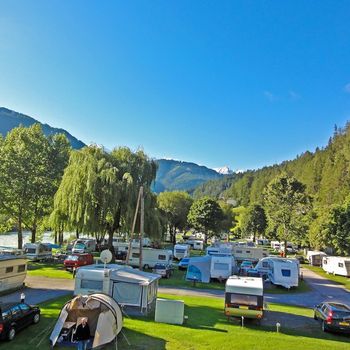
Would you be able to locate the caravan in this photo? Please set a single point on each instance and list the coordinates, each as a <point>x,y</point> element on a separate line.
<point>181,251</point>
<point>284,272</point>
<point>250,253</point>
<point>222,266</point>
<point>13,271</point>
<point>315,257</point>
<point>336,265</point>
<point>195,244</point>
<point>37,251</point>
<point>150,257</point>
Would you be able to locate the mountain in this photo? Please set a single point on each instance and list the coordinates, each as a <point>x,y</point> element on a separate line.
<point>183,176</point>
<point>225,170</point>
<point>10,119</point>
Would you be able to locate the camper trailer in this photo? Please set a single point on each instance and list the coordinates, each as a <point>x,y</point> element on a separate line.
<point>150,257</point>
<point>315,257</point>
<point>129,287</point>
<point>13,271</point>
<point>250,253</point>
<point>146,242</point>
<point>336,265</point>
<point>284,272</point>
<point>195,244</point>
<point>181,251</point>
<point>219,248</point>
<point>244,296</point>
<point>222,266</point>
<point>37,251</point>
<point>275,245</point>
<point>84,245</point>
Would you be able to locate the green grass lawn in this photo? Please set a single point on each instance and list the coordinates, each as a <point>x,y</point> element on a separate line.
<point>338,279</point>
<point>51,270</point>
<point>206,328</point>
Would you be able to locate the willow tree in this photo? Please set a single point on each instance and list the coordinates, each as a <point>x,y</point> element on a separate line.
<point>29,175</point>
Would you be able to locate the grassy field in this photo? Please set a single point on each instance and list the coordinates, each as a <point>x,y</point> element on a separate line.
<point>206,328</point>
<point>51,270</point>
<point>338,279</point>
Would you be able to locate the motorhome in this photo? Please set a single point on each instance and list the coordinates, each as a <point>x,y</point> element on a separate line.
<point>13,271</point>
<point>244,296</point>
<point>275,245</point>
<point>222,266</point>
<point>150,257</point>
<point>181,251</point>
<point>284,272</point>
<point>84,245</point>
<point>129,287</point>
<point>314,257</point>
<point>37,251</point>
<point>250,253</point>
<point>336,265</point>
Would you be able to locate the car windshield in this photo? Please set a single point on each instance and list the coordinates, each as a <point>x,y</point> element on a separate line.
<point>246,263</point>
<point>159,266</point>
<point>79,246</point>
<point>72,257</point>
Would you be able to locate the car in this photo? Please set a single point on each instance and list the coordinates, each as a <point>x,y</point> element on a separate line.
<point>245,266</point>
<point>16,316</point>
<point>334,316</point>
<point>76,260</point>
<point>165,270</point>
<point>183,264</point>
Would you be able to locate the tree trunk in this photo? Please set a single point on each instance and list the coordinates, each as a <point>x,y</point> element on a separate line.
<point>285,249</point>
<point>205,238</point>
<point>174,235</point>
<point>55,237</point>
<point>60,237</point>
<point>110,244</point>
<point>33,238</point>
<point>20,235</point>
<point>77,233</point>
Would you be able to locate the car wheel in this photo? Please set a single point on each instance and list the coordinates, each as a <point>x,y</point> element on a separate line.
<point>11,334</point>
<point>36,318</point>
<point>324,327</point>
<point>146,266</point>
<point>315,317</point>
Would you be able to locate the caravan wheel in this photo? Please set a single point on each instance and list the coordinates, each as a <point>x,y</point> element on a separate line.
<point>146,266</point>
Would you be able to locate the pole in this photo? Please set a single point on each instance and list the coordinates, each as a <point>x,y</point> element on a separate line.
<point>133,227</point>
<point>142,219</point>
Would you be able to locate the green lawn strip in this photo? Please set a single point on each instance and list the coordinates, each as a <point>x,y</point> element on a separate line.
<point>206,328</point>
<point>48,270</point>
<point>338,279</point>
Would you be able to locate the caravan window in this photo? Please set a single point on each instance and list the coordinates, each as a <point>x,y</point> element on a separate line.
<point>135,255</point>
<point>285,273</point>
<point>30,250</point>
<point>21,268</point>
<point>221,266</point>
<point>180,251</point>
<point>340,265</point>
<point>324,262</point>
<point>243,299</point>
<point>161,257</point>
<point>239,251</point>
<point>247,251</point>
<point>265,264</point>
<point>9,269</point>
<point>91,284</point>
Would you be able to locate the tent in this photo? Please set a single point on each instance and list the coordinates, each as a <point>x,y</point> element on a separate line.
<point>134,288</point>
<point>104,315</point>
<point>199,269</point>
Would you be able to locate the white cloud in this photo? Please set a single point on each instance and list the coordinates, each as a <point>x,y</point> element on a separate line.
<point>270,96</point>
<point>347,88</point>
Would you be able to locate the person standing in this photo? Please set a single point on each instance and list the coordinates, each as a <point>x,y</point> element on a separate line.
<point>82,334</point>
<point>23,297</point>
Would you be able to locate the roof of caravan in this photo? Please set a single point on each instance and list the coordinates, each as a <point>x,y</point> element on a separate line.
<point>134,276</point>
<point>4,257</point>
<point>244,285</point>
<point>315,252</point>
<point>102,267</point>
<point>346,258</point>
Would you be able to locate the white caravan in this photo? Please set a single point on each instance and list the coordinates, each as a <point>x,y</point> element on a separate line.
<point>222,266</point>
<point>284,272</point>
<point>150,257</point>
<point>13,271</point>
<point>146,242</point>
<point>129,287</point>
<point>37,251</point>
<point>336,265</point>
<point>219,248</point>
<point>195,244</point>
<point>315,257</point>
<point>84,245</point>
<point>250,253</point>
<point>276,245</point>
<point>181,251</point>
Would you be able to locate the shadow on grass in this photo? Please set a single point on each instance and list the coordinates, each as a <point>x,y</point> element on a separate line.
<point>139,341</point>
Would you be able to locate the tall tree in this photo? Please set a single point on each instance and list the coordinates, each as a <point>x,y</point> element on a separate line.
<point>254,221</point>
<point>176,205</point>
<point>205,215</point>
<point>28,177</point>
<point>286,205</point>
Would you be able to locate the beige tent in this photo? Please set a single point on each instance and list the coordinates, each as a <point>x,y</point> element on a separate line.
<point>104,318</point>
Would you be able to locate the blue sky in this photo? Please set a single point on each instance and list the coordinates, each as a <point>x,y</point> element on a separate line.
<point>242,83</point>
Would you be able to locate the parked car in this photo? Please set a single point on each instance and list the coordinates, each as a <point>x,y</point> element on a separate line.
<point>183,264</point>
<point>165,270</point>
<point>245,266</point>
<point>77,260</point>
<point>333,316</point>
<point>16,316</point>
